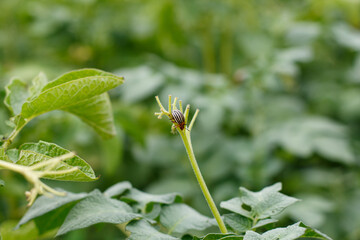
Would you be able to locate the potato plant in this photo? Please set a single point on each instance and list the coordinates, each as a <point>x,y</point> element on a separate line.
<point>137,214</point>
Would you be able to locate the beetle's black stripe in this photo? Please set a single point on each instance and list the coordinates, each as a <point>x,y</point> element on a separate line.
<point>178,116</point>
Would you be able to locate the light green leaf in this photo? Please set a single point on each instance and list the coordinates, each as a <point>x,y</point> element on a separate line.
<point>289,233</point>
<point>44,204</point>
<point>49,150</point>
<point>97,113</point>
<point>180,218</point>
<point>2,183</point>
<point>3,156</point>
<point>306,136</point>
<point>16,95</point>
<point>64,93</point>
<point>264,222</point>
<point>238,223</point>
<point>96,208</point>
<point>264,204</point>
<point>219,236</point>
<point>13,154</point>
<point>29,158</point>
<point>38,84</point>
<point>267,202</point>
<point>117,189</point>
<point>235,205</point>
<point>141,230</point>
<point>143,199</point>
<point>77,74</point>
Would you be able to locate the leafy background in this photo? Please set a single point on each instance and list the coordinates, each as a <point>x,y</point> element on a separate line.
<point>277,83</point>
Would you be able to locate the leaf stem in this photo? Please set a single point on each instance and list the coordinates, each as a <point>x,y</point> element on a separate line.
<point>185,135</point>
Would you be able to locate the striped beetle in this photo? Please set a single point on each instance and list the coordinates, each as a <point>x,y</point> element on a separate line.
<point>178,119</point>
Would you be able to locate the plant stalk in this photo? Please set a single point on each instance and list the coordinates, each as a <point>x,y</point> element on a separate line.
<point>185,135</point>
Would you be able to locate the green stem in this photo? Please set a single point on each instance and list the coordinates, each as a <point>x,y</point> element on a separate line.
<point>14,133</point>
<point>185,135</point>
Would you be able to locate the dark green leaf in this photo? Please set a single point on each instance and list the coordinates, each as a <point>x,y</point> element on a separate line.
<point>53,219</point>
<point>141,230</point>
<point>313,233</point>
<point>44,204</point>
<point>96,208</point>
<point>180,218</point>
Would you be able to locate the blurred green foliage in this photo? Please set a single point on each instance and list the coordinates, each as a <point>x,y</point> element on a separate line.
<point>277,84</point>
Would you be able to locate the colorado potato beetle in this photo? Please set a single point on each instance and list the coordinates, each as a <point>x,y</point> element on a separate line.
<point>178,119</point>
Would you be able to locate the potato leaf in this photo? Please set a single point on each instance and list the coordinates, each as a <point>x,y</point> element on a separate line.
<point>289,233</point>
<point>180,218</point>
<point>31,153</point>
<point>44,204</point>
<point>96,208</point>
<point>16,95</point>
<point>97,113</point>
<point>265,203</point>
<point>68,94</point>
<point>141,230</point>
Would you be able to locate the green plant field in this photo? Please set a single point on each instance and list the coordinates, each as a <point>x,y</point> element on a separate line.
<point>277,136</point>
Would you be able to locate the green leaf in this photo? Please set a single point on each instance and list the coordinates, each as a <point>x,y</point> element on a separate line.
<point>267,202</point>
<point>264,222</point>
<point>141,230</point>
<point>313,233</point>
<point>44,204</point>
<point>235,205</point>
<point>13,154</point>
<point>38,83</point>
<point>85,172</point>
<point>96,208</point>
<point>30,158</point>
<point>219,236</point>
<point>289,233</point>
<point>306,136</point>
<point>28,231</point>
<point>77,74</point>
<point>144,199</point>
<point>2,183</point>
<point>69,90</point>
<point>264,204</point>
<point>238,223</point>
<point>16,95</point>
<point>53,219</point>
<point>4,156</point>
<point>117,189</point>
<point>180,218</point>
<point>97,113</point>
